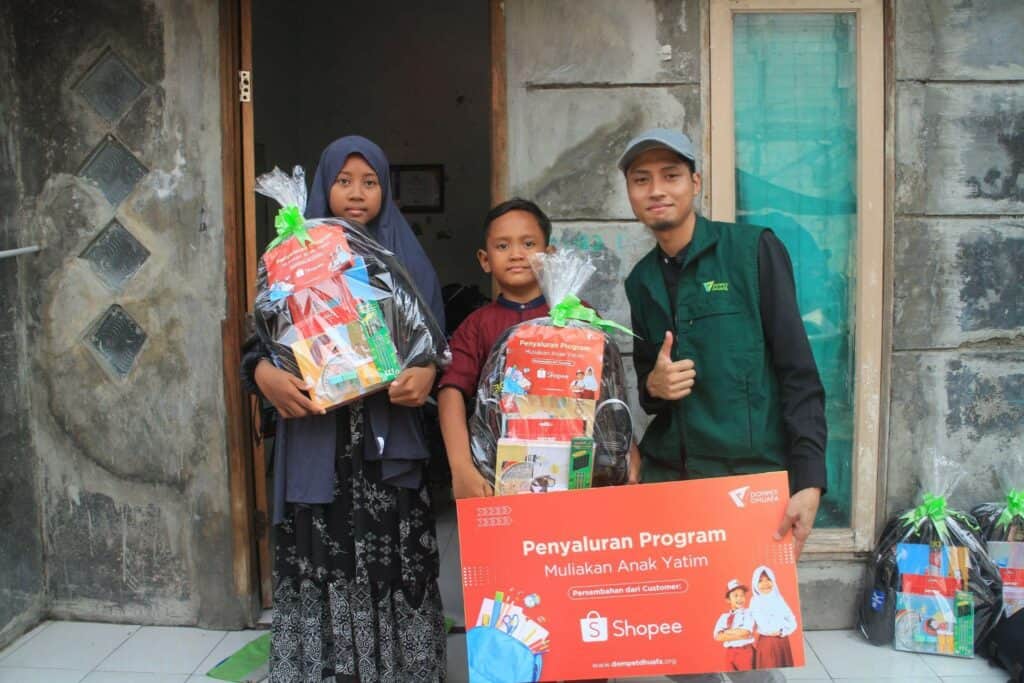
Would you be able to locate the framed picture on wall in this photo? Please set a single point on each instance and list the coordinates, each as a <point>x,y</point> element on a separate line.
<point>418,188</point>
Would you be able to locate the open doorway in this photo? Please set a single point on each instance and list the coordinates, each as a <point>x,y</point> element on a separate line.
<point>417,80</point>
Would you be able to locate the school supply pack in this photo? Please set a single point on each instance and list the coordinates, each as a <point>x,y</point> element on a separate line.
<point>333,306</point>
<point>551,410</point>
<point>1002,529</point>
<point>506,644</point>
<point>931,586</point>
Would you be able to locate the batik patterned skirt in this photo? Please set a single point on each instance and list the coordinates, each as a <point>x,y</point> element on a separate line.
<point>356,593</point>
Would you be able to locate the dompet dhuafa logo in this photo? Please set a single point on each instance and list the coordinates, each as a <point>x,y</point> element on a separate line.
<point>594,628</point>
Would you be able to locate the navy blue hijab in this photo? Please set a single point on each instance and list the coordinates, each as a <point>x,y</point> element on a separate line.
<point>389,228</point>
<point>392,435</point>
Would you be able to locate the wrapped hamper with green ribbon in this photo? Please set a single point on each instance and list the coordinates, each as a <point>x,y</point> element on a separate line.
<point>930,586</point>
<point>552,410</point>
<point>333,306</point>
<point>1003,520</point>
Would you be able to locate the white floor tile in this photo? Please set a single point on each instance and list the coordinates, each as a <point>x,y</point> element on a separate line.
<point>978,667</point>
<point>22,639</point>
<point>163,649</point>
<point>232,643</point>
<point>812,669</point>
<point>901,679</point>
<point>996,675</point>
<point>267,616</point>
<point>133,677</point>
<point>458,670</point>
<point>845,654</point>
<point>70,645</point>
<point>16,675</point>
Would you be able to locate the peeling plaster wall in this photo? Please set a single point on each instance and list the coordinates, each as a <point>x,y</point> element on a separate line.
<point>584,77</point>
<point>958,328</point>
<point>22,578</point>
<point>120,171</point>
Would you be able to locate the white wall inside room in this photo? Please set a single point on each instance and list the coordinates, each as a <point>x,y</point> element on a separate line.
<point>415,79</point>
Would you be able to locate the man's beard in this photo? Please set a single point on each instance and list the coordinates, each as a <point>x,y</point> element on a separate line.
<point>663,226</point>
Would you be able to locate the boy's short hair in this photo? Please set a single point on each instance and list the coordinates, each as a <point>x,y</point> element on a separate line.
<point>519,204</point>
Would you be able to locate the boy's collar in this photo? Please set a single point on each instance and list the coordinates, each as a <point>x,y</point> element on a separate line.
<point>526,306</point>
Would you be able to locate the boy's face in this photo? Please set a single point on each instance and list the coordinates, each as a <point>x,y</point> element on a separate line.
<point>737,598</point>
<point>661,189</point>
<point>511,239</point>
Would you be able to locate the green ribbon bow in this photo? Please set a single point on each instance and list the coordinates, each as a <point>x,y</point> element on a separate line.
<point>1014,508</point>
<point>289,223</point>
<point>933,508</point>
<point>570,308</point>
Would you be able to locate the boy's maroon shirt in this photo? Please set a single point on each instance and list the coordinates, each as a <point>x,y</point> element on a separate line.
<point>475,337</point>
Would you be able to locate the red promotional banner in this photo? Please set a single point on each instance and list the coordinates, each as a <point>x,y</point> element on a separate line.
<point>646,580</point>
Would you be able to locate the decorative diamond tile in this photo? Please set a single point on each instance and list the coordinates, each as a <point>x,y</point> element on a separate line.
<point>114,169</point>
<point>115,255</point>
<point>117,339</point>
<point>110,86</point>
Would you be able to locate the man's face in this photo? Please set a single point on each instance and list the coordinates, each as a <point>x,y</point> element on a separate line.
<point>737,598</point>
<point>661,189</point>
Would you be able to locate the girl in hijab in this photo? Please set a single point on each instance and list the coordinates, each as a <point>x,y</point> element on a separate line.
<point>356,561</point>
<point>773,619</point>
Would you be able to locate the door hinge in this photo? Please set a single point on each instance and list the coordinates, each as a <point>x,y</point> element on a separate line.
<point>245,86</point>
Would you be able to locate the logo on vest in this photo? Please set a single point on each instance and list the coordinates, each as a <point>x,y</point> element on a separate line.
<point>712,286</point>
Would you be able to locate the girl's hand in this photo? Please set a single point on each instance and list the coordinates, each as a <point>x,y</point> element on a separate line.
<point>467,482</point>
<point>634,464</point>
<point>285,391</point>
<point>412,386</point>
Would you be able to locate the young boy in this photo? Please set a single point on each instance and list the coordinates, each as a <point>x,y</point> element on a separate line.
<point>735,629</point>
<point>513,232</point>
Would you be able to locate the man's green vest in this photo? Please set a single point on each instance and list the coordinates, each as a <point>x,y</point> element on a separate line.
<point>732,422</point>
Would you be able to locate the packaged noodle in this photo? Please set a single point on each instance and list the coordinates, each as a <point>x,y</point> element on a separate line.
<point>333,306</point>
<point>551,411</point>
<point>931,586</point>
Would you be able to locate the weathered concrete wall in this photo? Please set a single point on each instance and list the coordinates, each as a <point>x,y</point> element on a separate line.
<point>22,592</point>
<point>958,336</point>
<point>119,160</point>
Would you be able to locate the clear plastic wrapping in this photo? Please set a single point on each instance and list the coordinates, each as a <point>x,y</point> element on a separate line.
<point>931,586</point>
<point>551,406</point>
<point>1002,528</point>
<point>333,306</point>
<point>1003,520</point>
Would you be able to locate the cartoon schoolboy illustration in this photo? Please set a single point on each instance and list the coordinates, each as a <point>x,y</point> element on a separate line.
<point>735,629</point>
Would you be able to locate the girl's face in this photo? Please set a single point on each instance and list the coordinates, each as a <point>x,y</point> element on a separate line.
<point>356,193</point>
<point>764,584</point>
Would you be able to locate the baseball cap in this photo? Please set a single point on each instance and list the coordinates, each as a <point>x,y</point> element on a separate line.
<point>654,138</point>
<point>733,585</point>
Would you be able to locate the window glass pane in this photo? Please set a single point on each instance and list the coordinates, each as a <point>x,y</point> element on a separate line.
<point>796,172</point>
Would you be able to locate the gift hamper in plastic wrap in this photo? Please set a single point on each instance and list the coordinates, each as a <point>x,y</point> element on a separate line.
<point>551,406</point>
<point>1002,528</point>
<point>930,586</point>
<point>333,306</point>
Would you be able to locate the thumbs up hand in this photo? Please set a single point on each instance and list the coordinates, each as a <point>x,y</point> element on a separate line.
<point>670,380</point>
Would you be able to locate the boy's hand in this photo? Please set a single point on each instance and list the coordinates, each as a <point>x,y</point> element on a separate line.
<point>467,482</point>
<point>412,386</point>
<point>634,464</point>
<point>670,380</point>
<point>285,391</point>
